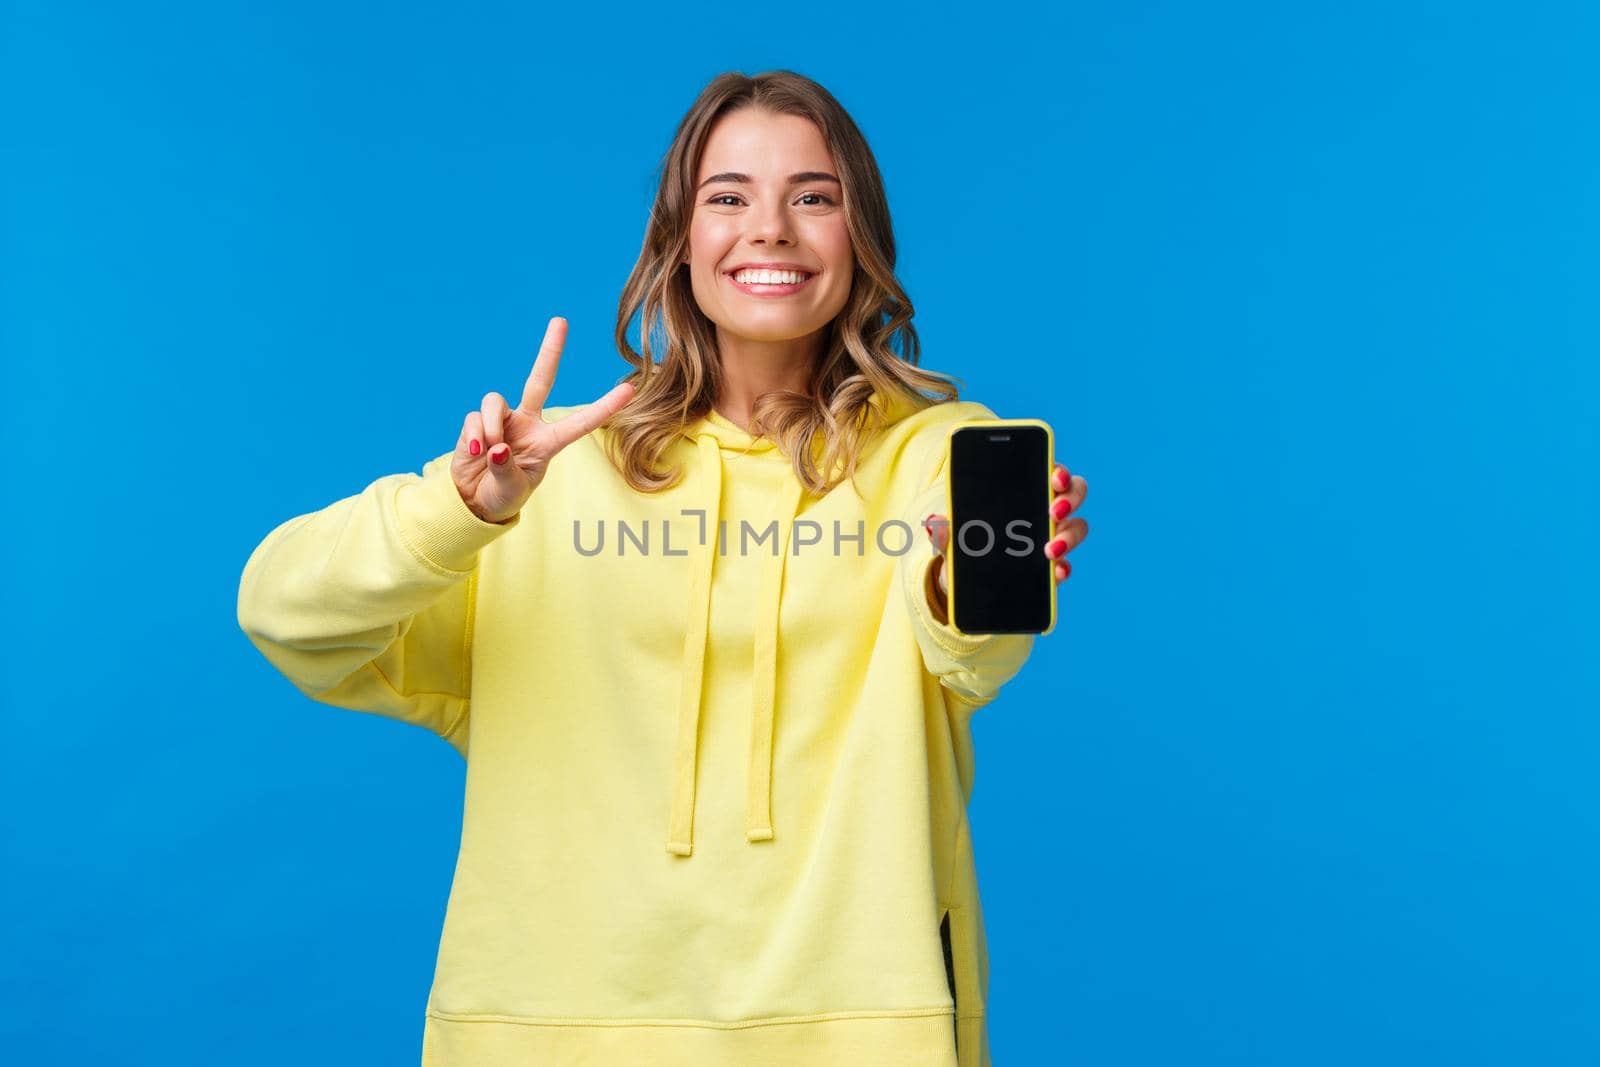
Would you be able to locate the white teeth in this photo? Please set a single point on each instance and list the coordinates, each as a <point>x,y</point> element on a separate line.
<point>769,277</point>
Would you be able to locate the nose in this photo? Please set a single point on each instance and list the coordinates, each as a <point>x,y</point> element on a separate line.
<point>770,224</point>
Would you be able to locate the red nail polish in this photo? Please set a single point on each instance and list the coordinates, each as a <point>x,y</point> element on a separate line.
<point>498,456</point>
<point>1066,570</point>
<point>1055,548</point>
<point>474,447</point>
<point>1059,509</point>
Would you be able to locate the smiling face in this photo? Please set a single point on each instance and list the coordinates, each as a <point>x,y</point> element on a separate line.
<point>767,192</point>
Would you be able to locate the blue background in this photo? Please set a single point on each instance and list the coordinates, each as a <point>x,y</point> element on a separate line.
<point>1308,296</point>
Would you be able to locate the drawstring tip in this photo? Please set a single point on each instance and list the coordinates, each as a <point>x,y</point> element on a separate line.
<point>679,848</point>
<point>760,833</point>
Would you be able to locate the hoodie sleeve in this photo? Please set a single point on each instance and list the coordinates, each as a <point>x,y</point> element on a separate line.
<point>975,667</point>
<point>367,603</point>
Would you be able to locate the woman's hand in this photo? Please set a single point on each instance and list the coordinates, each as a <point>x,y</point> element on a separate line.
<point>1066,495</point>
<point>503,451</point>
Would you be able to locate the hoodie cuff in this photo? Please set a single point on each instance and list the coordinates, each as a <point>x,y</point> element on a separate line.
<point>437,524</point>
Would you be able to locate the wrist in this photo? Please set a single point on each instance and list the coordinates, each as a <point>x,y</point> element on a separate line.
<point>472,506</point>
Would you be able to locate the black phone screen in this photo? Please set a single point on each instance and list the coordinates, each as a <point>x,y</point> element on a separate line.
<point>999,525</point>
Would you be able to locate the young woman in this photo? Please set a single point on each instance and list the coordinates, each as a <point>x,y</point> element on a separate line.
<point>699,660</point>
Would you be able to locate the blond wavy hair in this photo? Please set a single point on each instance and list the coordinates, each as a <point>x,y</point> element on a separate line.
<point>859,355</point>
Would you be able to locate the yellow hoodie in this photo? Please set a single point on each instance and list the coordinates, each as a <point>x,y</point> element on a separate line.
<point>716,786</point>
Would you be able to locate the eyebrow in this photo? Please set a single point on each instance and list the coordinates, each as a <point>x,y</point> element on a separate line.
<point>794,179</point>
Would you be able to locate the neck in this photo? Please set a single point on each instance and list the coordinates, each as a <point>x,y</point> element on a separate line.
<point>751,368</point>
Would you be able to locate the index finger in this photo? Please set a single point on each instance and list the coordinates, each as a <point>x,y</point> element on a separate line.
<point>543,375</point>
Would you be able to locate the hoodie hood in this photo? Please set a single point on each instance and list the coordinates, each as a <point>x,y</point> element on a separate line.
<point>713,435</point>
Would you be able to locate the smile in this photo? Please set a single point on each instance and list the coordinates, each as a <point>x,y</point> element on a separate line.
<point>770,288</point>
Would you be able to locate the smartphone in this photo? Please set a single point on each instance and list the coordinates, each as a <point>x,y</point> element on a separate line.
<point>998,501</point>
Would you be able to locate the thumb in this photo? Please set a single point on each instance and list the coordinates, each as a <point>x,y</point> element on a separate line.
<point>938,529</point>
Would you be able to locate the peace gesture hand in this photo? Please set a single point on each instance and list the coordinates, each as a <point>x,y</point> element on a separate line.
<point>503,452</point>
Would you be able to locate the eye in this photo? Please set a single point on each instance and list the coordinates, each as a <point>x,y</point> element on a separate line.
<point>722,197</point>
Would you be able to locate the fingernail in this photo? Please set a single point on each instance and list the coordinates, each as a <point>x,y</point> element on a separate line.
<point>474,447</point>
<point>1065,568</point>
<point>1059,509</point>
<point>1063,479</point>
<point>1055,548</point>
<point>499,456</point>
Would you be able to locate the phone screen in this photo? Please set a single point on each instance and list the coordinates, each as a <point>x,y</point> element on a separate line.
<point>999,525</point>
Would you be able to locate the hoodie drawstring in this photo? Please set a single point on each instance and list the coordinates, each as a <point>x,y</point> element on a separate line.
<point>764,673</point>
<point>764,676</point>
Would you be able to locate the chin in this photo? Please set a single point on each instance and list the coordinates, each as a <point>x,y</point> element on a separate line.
<point>775,327</point>
<point>772,331</point>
